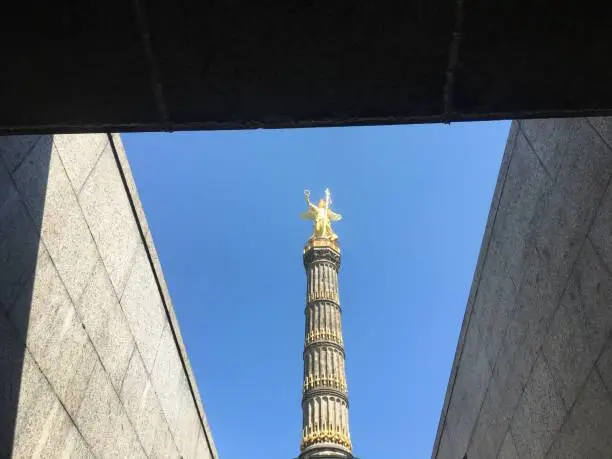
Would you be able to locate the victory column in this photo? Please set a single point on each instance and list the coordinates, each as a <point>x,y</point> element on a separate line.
<point>325,427</point>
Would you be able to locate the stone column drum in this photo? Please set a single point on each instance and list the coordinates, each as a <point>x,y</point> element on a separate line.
<point>325,427</point>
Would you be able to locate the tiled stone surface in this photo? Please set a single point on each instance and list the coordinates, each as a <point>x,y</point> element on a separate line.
<point>103,421</point>
<point>527,181</point>
<point>14,148</point>
<point>19,242</point>
<point>581,324</point>
<point>552,139</point>
<point>586,433</point>
<point>539,415</point>
<point>541,303</point>
<point>166,376</point>
<point>55,335</point>
<point>82,356</point>
<point>107,210</point>
<point>188,425</point>
<point>131,184</point>
<point>53,205</point>
<point>43,428</point>
<point>141,403</point>
<point>12,352</point>
<point>604,365</point>
<point>106,325</point>
<point>494,308</point>
<point>600,233</point>
<point>79,154</point>
<point>202,451</point>
<point>508,450</point>
<point>164,446</point>
<point>447,449</point>
<point>142,306</point>
<point>122,158</point>
<point>493,421</point>
<point>469,391</point>
<point>561,223</point>
<point>603,126</point>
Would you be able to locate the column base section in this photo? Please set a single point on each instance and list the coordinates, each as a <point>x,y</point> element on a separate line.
<point>325,451</point>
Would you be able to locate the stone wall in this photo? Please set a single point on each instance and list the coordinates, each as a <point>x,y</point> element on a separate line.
<point>532,375</point>
<point>92,363</point>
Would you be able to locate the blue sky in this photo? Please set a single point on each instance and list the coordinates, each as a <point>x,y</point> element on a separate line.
<point>224,211</point>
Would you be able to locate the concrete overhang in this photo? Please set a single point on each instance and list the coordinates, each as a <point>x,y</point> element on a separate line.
<point>138,65</point>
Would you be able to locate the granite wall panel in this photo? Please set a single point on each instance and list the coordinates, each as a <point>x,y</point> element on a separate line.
<point>540,301</point>
<point>92,363</point>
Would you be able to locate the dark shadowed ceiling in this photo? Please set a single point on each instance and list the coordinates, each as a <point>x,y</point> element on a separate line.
<point>186,64</point>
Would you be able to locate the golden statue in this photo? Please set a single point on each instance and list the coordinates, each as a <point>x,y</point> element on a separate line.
<point>322,216</point>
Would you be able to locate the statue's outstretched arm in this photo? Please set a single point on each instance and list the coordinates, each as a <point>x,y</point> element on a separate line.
<point>307,198</point>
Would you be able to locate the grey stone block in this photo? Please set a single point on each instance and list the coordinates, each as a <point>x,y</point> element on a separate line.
<point>43,428</point>
<point>143,309</point>
<point>472,452</point>
<point>514,362</point>
<point>508,449</point>
<point>107,210</point>
<point>141,404</point>
<point>19,241</point>
<point>131,184</point>
<point>75,448</point>
<point>7,188</point>
<point>539,415</point>
<point>36,404</point>
<point>164,446</point>
<point>552,139</point>
<point>448,443</point>
<point>470,387</point>
<point>493,421</point>
<point>47,319</point>
<point>103,421</point>
<point>106,325</point>
<point>202,450</point>
<point>188,426</point>
<point>562,220</point>
<point>600,233</point>
<point>59,438</point>
<point>525,185</point>
<point>586,433</point>
<point>12,351</point>
<point>495,204</point>
<point>447,449</point>
<point>168,378</point>
<point>604,365</point>
<point>52,203</point>
<point>524,338</point>
<point>581,324</point>
<point>14,148</point>
<point>494,308</point>
<point>603,125</point>
<point>79,153</point>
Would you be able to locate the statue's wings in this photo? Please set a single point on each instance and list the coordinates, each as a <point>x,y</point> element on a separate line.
<point>333,216</point>
<point>308,215</point>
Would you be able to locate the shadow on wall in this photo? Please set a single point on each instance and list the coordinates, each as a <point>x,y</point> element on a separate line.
<point>24,171</point>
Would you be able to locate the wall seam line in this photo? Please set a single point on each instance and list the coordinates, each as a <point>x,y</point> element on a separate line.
<point>76,301</point>
<point>533,150</point>
<point>159,288</point>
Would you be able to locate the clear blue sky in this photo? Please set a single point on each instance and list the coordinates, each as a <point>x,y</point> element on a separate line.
<point>223,208</point>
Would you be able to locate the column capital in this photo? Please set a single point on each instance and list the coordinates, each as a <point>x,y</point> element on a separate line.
<point>314,254</point>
